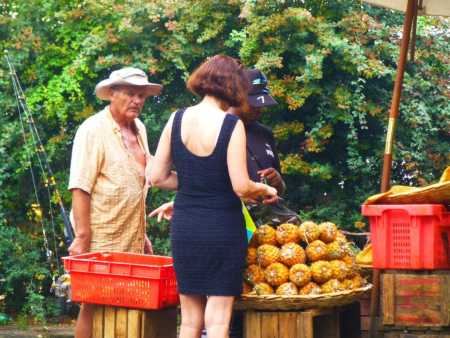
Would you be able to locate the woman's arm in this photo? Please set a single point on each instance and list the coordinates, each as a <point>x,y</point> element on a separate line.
<point>161,175</point>
<point>237,168</point>
<point>163,211</point>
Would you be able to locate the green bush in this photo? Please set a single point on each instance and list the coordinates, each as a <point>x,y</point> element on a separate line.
<point>25,274</point>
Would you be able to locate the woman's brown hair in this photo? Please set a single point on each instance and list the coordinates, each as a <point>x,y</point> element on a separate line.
<point>220,76</point>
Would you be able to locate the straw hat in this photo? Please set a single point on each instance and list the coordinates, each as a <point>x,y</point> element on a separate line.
<point>127,76</point>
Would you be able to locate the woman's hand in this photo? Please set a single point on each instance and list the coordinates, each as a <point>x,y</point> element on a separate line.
<point>271,195</point>
<point>164,211</point>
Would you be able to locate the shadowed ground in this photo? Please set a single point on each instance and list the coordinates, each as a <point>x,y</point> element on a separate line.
<point>65,331</point>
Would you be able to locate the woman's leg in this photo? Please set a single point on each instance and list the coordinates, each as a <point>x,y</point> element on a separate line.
<point>83,327</point>
<point>192,315</point>
<point>217,316</point>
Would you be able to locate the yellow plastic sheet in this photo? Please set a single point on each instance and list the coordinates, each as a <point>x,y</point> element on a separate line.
<point>438,193</point>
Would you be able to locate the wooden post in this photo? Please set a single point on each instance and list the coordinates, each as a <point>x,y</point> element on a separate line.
<point>338,322</point>
<point>252,324</point>
<point>387,159</point>
<point>115,322</point>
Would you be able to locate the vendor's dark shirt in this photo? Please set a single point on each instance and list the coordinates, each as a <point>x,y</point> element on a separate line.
<point>261,153</point>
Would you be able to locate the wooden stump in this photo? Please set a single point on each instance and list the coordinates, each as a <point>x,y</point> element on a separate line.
<point>340,322</point>
<point>116,322</point>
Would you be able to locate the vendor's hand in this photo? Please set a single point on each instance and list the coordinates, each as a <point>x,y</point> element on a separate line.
<point>148,247</point>
<point>79,246</point>
<point>164,211</point>
<point>273,177</point>
<point>271,195</point>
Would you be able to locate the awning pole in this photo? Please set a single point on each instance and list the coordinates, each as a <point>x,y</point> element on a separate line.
<point>412,45</point>
<point>387,159</point>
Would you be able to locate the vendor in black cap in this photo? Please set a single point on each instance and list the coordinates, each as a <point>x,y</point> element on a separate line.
<point>262,158</point>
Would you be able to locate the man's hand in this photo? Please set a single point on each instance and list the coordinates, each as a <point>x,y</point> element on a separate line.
<point>164,211</point>
<point>79,246</point>
<point>148,248</point>
<point>273,178</point>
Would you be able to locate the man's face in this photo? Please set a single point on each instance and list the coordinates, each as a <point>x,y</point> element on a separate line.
<point>250,114</point>
<point>128,101</point>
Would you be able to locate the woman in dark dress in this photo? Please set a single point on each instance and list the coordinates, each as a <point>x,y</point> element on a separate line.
<point>207,146</point>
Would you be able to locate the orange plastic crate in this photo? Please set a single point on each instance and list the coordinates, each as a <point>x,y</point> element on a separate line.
<point>409,236</point>
<point>123,279</point>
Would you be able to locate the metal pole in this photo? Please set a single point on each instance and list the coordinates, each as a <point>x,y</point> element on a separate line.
<point>387,159</point>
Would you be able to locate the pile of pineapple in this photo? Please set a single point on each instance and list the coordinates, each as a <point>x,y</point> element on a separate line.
<point>309,259</point>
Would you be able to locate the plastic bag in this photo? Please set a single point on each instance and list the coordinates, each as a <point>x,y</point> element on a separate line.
<point>273,214</point>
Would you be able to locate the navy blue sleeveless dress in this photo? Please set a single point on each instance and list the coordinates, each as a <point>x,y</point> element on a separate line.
<point>208,235</point>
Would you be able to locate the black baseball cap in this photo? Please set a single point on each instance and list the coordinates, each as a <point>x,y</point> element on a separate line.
<point>258,94</point>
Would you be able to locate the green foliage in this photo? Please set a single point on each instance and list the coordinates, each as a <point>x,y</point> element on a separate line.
<point>25,273</point>
<point>331,66</point>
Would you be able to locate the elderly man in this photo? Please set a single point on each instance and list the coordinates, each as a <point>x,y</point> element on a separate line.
<point>110,158</point>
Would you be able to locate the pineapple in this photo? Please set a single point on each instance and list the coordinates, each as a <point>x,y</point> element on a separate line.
<point>251,255</point>
<point>309,231</point>
<point>341,237</point>
<point>351,263</point>
<point>328,232</point>
<point>263,289</point>
<point>300,274</point>
<point>347,284</point>
<point>253,242</point>
<point>287,289</point>
<point>321,271</point>
<point>276,274</point>
<point>292,253</point>
<point>336,250</point>
<point>310,289</point>
<point>246,288</point>
<point>287,233</point>
<point>333,285</point>
<point>358,281</point>
<point>254,274</point>
<point>350,260</point>
<point>265,234</point>
<point>340,269</point>
<point>317,250</point>
<point>267,254</point>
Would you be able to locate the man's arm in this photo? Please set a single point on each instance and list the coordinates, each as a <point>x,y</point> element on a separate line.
<point>281,186</point>
<point>273,175</point>
<point>81,207</point>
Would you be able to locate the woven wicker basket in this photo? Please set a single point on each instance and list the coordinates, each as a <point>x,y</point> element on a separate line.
<point>275,302</point>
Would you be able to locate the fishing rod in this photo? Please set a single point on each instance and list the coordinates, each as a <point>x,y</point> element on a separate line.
<point>40,151</point>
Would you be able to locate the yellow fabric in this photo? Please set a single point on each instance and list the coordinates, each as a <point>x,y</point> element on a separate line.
<point>428,7</point>
<point>438,193</point>
<point>445,176</point>
<point>102,166</point>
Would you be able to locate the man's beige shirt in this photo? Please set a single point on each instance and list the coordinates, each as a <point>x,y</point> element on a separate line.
<point>103,167</point>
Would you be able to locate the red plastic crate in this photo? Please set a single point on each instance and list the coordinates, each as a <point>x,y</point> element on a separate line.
<point>409,236</point>
<point>123,279</point>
